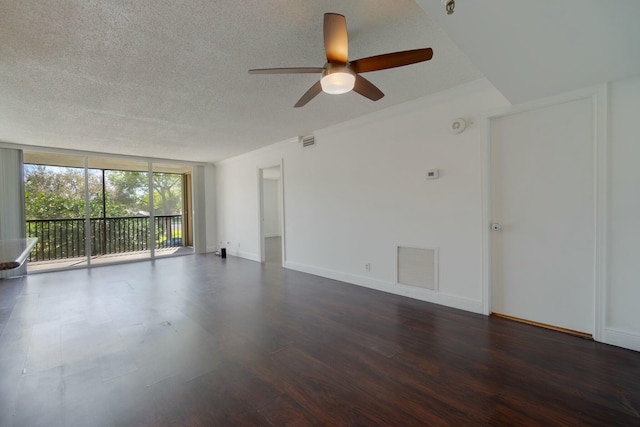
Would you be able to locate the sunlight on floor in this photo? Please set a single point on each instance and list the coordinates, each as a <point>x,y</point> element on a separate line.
<point>41,266</point>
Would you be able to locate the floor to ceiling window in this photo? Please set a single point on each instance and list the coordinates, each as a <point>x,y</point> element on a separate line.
<point>94,210</point>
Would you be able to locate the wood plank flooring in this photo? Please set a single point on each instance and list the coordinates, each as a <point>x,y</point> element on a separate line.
<point>202,341</point>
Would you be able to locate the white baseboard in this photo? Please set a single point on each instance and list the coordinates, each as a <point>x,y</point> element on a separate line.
<point>246,255</point>
<point>390,287</point>
<point>622,338</point>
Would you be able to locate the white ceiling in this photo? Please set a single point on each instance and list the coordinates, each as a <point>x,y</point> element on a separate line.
<point>168,79</point>
<point>530,49</point>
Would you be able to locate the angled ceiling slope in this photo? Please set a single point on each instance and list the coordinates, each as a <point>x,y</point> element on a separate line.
<point>530,49</point>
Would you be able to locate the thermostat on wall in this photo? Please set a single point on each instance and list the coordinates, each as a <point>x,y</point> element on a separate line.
<point>433,174</point>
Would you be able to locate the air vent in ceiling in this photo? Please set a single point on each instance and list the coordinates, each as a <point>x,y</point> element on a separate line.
<point>307,141</point>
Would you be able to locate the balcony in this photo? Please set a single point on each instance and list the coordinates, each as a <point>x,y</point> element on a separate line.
<point>63,242</point>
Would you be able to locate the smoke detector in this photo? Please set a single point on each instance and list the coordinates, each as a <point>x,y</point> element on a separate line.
<point>457,126</point>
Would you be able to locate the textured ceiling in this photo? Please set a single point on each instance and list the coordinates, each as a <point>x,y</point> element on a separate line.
<point>168,79</point>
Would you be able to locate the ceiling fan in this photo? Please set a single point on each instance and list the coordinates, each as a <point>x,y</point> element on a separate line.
<point>339,75</point>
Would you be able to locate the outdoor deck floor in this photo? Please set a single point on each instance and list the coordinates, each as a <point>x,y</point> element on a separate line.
<point>41,266</point>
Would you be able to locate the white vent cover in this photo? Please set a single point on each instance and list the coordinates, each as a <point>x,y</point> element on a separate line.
<point>418,267</point>
<point>307,141</point>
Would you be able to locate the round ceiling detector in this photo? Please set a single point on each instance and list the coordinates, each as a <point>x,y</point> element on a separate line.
<point>457,126</point>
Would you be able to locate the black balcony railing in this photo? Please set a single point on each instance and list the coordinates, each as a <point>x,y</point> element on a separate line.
<point>66,238</point>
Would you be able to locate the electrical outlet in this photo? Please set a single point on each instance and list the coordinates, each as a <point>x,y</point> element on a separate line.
<point>367,267</point>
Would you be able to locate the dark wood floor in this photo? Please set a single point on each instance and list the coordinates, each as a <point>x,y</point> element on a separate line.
<point>199,341</point>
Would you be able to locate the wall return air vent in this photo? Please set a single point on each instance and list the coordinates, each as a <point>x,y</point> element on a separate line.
<point>307,141</point>
<point>418,267</point>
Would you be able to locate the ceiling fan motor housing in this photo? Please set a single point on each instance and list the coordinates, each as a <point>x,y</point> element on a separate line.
<point>337,78</point>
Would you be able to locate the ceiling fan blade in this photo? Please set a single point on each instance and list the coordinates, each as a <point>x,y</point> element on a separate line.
<point>309,95</point>
<point>367,89</point>
<point>293,70</point>
<point>336,41</point>
<point>391,60</point>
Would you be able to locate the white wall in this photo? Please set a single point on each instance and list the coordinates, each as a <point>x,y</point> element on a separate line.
<point>210,207</point>
<point>199,210</point>
<point>361,191</point>
<point>623,291</point>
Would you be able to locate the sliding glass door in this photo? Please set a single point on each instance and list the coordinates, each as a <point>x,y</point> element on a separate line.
<point>122,231</point>
<point>171,223</point>
<point>94,210</point>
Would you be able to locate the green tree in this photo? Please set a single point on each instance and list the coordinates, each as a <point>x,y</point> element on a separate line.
<point>127,189</point>
<point>53,192</point>
<point>167,193</point>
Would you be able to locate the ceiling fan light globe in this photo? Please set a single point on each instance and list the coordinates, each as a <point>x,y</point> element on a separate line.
<point>337,83</point>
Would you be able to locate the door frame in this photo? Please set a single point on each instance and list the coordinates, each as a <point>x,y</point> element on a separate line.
<point>260,173</point>
<point>598,96</point>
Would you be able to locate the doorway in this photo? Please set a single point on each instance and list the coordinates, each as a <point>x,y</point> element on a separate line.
<point>271,215</point>
<point>543,216</point>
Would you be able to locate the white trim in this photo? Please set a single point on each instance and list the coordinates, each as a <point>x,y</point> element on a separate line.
<point>485,215</point>
<point>283,245</point>
<point>601,159</point>
<point>246,255</point>
<point>622,338</point>
<point>563,98</point>
<point>266,164</point>
<point>466,304</point>
<point>152,212</point>
<point>260,172</point>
